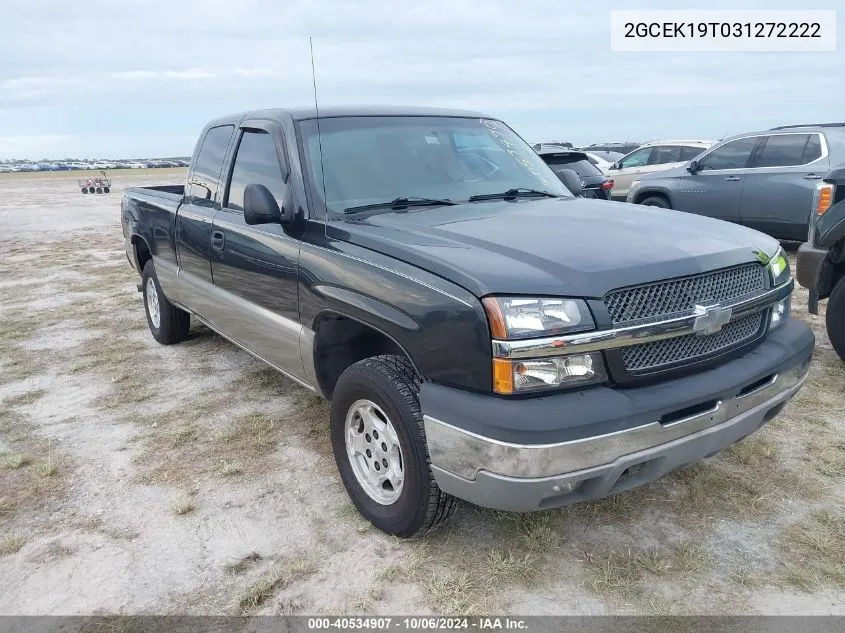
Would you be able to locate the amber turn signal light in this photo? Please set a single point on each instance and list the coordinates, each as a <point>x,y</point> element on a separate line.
<point>824,199</point>
<point>502,376</point>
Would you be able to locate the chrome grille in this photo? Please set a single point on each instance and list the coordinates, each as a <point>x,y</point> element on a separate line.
<point>667,298</point>
<point>690,347</point>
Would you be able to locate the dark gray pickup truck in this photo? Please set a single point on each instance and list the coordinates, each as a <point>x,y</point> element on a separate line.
<point>482,333</point>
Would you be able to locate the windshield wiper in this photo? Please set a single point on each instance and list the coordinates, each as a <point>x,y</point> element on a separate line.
<point>517,192</point>
<point>401,203</point>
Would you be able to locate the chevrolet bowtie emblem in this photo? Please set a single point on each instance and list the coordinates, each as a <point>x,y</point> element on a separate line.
<point>710,319</point>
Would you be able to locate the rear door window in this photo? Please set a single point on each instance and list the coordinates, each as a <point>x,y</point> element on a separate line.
<point>689,152</point>
<point>665,154</point>
<point>205,174</point>
<point>784,150</point>
<point>731,155</point>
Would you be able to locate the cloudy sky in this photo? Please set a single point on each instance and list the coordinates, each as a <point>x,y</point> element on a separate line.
<point>132,78</point>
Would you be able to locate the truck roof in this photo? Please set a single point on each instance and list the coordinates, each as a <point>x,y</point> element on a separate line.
<point>309,112</point>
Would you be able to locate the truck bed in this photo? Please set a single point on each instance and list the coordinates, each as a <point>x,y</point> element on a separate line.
<point>160,191</point>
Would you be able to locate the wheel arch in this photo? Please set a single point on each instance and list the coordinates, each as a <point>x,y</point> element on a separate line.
<point>341,340</point>
<point>653,192</point>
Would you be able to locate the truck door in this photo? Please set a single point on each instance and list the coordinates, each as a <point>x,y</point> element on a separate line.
<point>193,221</point>
<point>255,267</point>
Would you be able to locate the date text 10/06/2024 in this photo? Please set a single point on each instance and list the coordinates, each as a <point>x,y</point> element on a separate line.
<point>417,624</point>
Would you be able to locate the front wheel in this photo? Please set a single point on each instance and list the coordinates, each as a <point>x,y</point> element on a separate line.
<point>168,324</point>
<point>835,318</point>
<point>378,439</point>
<point>657,201</point>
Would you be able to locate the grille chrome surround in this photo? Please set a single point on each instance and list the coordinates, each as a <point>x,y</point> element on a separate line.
<point>674,297</point>
<point>691,347</point>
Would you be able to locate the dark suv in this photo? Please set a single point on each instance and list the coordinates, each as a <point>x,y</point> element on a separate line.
<point>596,184</point>
<point>764,180</point>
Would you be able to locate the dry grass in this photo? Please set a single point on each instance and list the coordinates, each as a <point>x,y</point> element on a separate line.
<point>814,552</point>
<point>183,505</point>
<point>17,460</point>
<point>11,544</point>
<point>26,398</point>
<point>282,575</point>
<point>755,450</point>
<point>242,564</point>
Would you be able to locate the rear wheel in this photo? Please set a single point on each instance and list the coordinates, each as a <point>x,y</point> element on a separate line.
<point>168,323</point>
<point>106,189</point>
<point>91,190</point>
<point>656,201</point>
<point>379,445</point>
<point>835,318</point>
<point>99,190</point>
<point>85,190</point>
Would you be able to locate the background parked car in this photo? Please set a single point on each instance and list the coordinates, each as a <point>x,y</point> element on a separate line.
<point>603,160</point>
<point>651,157</point>
<point>765,180</point>
<point>596,184</point>
<point>622,148</point>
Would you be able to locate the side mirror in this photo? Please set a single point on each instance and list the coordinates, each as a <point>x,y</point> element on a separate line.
<point>616,165</point>
<point>260,207</point>
<point>572,181</point>
<point>693,166</point>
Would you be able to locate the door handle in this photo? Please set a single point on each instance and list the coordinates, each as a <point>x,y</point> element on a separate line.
<point>812,177</point>
<point>217,240</point>
<point>733,179</point>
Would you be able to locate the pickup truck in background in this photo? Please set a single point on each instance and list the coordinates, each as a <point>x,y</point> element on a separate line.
<point>820,264</point>
<point>481,333</point>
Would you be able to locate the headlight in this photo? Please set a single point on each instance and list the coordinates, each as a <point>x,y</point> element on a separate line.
<point>521,376</point>
<point>779,265</point>
<point>518,317</point>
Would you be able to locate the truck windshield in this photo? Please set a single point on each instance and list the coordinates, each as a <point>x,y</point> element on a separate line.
<point>373,160</point>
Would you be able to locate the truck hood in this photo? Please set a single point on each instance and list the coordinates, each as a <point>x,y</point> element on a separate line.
<point>562,247</point>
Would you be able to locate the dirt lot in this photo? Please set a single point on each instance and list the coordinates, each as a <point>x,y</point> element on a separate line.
<point>137,478</point>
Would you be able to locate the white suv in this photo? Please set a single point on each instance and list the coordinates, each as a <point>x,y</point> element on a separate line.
<point>650,157</point>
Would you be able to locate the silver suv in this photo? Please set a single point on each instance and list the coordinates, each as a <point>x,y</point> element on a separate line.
<point>764,180</point>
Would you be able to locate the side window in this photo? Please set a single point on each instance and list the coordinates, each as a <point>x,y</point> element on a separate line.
<point>205,174</point>
<point>783,150</point>
<point>665,154</point>
<point>813,149</point>
<point>688,152</point>
<point>637,159</point>
<point>256,163</point>
<point>732,155</point>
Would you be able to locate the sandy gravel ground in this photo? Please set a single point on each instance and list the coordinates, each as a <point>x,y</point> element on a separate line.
<point>137,478</point>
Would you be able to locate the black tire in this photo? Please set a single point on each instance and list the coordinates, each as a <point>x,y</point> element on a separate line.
<point>174,322</point>
<point>85,190</point>
<point>835,318</point>
<point>106,190</point>
<point>99,190</point>
<point>91,190</point>
<point>391,383</point>
<point>656,201</point>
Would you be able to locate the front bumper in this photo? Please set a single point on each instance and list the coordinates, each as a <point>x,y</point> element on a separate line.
<point>661,430</point>
<point>808,265</point>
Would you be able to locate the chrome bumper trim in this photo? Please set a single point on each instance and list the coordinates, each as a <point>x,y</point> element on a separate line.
<point>465,454</point>
<point>632,335</point>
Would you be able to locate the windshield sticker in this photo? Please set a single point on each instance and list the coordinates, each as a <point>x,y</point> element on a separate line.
<point>497,131</point>
<point>432,140</point>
